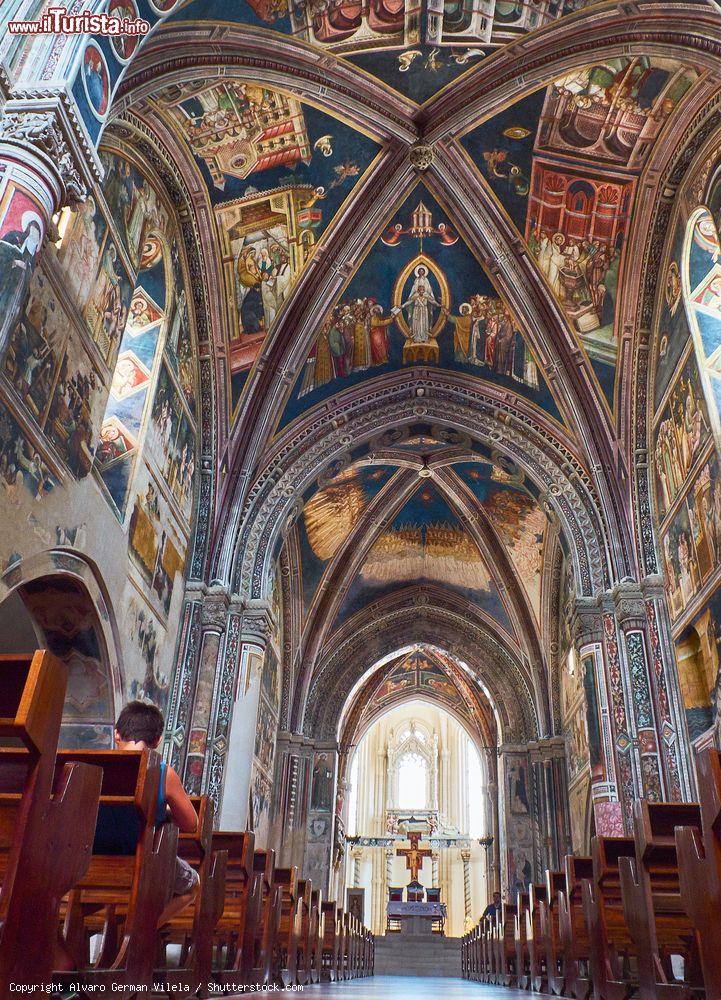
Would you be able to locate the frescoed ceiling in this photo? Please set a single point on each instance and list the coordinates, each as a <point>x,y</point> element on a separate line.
<point>425,543</point>
<point>420,297</point>
<point>276,172</point>
<point>414,46</point>
<point>564,163</point>
<point>456,519</point>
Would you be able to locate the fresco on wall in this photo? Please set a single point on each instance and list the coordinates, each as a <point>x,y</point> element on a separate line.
<point>21,234</point>
<point>564,164</point>
<point>53,377</point>
<point>420,297</point>
<point>68,622</point>
<point>519,831</point>
<point>277,172</point>
<point>425,542</point>
<point>681,435</point>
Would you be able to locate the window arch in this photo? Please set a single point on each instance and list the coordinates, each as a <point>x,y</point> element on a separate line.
<point>412,781</point>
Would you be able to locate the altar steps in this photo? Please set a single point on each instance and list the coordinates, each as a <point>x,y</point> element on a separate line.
<point>417,955</point>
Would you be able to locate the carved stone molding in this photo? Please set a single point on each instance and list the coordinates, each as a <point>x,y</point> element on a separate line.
<point>629,603</point>
<point>587,622</point>
<point>257,623</point>
<point>41,133</point>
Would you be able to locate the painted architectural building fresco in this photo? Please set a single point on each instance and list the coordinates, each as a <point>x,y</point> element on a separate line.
<point>564,163</point>
<point>277,171</point>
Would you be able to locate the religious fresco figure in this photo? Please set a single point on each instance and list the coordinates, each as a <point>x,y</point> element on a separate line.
<point>322,785</point>
<point>18,249</point>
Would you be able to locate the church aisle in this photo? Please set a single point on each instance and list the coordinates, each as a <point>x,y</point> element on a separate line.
<point>409,988</point>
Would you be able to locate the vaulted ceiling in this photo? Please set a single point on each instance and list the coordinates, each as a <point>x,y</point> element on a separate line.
<point>387,195</point>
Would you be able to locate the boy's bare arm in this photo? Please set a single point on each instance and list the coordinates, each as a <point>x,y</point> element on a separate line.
<point>181,808</point>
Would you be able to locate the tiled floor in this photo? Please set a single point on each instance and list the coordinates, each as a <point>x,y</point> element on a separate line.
<point>409,988</point>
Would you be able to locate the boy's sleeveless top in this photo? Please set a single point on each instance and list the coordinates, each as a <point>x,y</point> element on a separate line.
<point>119,826</point>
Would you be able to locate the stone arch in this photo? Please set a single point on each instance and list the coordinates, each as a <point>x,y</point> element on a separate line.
<point>65,602</point>
<point>511,430</point>
<point>420,615</point>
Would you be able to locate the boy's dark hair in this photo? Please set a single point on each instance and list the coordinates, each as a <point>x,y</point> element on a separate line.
<point>140,720</point>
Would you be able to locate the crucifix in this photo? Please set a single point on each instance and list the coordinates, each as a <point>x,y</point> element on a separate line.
<point>414,855</point>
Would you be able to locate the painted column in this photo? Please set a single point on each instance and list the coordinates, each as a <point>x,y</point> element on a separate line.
<point>605,711</point>
<point>357,854</point>
<point>292,781</point>
<point>548,762</point>
<point>492,828</point>
<point>41,170</point>
<point>435,868</point>
<point>468,913</point>
<point>519,818</point>
<point>255,629</point>
<point>321,810</point>
<point>209,673</point>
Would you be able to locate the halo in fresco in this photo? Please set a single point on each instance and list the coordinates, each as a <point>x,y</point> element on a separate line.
<point>164,6</point>
<point>124,46</point>
<point>96,80</point>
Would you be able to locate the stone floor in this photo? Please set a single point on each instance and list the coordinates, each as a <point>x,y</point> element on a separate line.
<point>409,988</point>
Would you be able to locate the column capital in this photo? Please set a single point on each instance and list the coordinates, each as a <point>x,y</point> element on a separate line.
<point>257,624</point>
<point>41,133</point>
<point>587,621</point>
<point>628,600</point>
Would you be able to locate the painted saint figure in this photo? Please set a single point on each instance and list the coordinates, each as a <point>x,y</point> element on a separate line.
<point>419,304</point>
<point>17,254</point>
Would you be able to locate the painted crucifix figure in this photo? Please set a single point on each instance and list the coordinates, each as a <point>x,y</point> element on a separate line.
<point>414,855</point>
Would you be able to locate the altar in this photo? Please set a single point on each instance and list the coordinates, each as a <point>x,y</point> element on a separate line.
<point>416,917</point>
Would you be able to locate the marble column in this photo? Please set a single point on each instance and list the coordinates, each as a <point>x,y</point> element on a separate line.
<point>435,869</point>
<point>42,169</point>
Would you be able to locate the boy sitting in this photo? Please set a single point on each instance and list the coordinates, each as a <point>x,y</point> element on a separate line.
<point>140,727</point>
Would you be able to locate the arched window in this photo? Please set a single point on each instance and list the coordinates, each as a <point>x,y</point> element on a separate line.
<point>412,782</point>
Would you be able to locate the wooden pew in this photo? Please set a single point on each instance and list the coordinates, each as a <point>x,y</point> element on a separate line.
<point>536,930</point>
<point>46,823</point>
<point>574,946</point>
<point>315,947</point>
<point>490,933</point>
<point>350,946</point>
<point>194,928</point>
<point>303,916</point>
<point>519,933</point>
<point>235,930</point>
<point>555,883</point>
<point>261,934</point>
<point>332,934</point>
<point>699,869</point>
<point>506,954</point>
<point>655,914</point>
<point>130,877</point>
<point>469,960</point>
<point>609,939</point>
<point>286,941</point>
